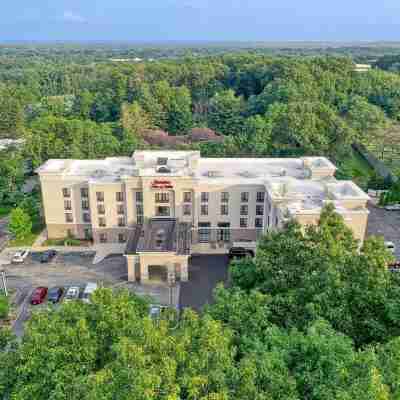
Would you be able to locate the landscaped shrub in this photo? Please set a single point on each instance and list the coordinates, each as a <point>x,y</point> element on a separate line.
<point>4,307</point>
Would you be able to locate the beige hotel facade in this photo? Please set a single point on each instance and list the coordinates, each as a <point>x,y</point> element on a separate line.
<point>160,207</point>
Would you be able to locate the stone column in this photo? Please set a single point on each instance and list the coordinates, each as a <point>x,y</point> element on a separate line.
<point>144,271</point>
<point>184,270</point>
<point>130,261</point>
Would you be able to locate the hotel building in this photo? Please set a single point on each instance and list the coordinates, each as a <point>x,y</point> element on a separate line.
<point>160,207</point>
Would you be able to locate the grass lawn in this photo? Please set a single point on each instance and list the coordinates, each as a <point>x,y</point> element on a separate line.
<point>28,241</point>
<point>4,211</point>
<point>354,167</point>
<point>66,242</point>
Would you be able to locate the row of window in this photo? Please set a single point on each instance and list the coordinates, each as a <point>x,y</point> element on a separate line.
<point>224,210</point>
<point>99,195</point>
<point>244,197</point>
<point>86,218</point>
<point>121,238</point>
<point>164,197</point>
<point>223,232</point>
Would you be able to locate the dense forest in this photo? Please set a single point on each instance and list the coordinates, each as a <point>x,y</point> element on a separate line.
<point>260,105</point>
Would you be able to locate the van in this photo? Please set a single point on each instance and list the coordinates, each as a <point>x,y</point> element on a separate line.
<point>89,289</point>
<point>390,246</point>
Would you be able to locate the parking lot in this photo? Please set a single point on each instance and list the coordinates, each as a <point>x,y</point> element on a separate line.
<point>77,269</point>
<point>385,223</point>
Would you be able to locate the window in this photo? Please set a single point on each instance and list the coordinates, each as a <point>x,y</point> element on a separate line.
<point>101,209</point>
<point>258,223</point>
<point>140,219</point>
<point>162,211</point>
<point>121,238</point>
<point>224,209</point>
<point>162,197</point>
<point>119,196</point>
<point>139,197</point>
<point>244,209</point>
<point>204,197</point>
<point>66,192</point>
<point>204,209</point>
<point>187,197</point>
<point>259,210</point>
<point>162,161</point>
<point>224,232</point>
<point>260,197</point>
<point>67,205</point>
<point>204,232</point>
<point>224,197</point>
<point>70,234</point>
<point>187,209</point>
<point>121,221</point>
<point>100,196</point>
<point>139,209</point>
<point>103,238</point>
<point>68,217</point>
<point>86,217</point>
<point>85,204</point>
<point>243,222</point>
<point>102,222</point>
<point>120,209</point>
<point>244,197</point>
<point>84,193</point>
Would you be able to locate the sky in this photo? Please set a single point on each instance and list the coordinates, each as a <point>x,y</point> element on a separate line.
<point>200,20</point>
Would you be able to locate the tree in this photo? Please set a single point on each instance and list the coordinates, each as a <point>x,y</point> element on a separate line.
<point>20,223</point>
<point>325,277</point>
<point>111,347</point>
<point>225,113</point>
<point>11,113</point>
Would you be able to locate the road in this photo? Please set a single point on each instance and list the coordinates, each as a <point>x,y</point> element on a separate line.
<point>3,232</point>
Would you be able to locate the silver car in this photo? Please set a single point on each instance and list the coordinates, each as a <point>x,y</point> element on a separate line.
<point>72,293</point>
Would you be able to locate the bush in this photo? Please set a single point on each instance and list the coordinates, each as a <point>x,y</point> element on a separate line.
<point>4,307</point>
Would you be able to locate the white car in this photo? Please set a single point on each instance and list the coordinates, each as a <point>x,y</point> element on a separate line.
<point>390,246</point>
<point>89,289</point>
<point>20,256</point>
<point>72,293</point>
<point>393,207</point>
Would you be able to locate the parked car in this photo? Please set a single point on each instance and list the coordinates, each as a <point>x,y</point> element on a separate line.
<point>55,294</point>
<point>47,256</point>
<point>156,311</point>
<point>240,252</point>
<point>393,207</point>
<point>394,266</point>
<point>20,256</point>
<point>38,295</point>
<point>72,293</point>
<point>390,246</point>
<point>89,289</point>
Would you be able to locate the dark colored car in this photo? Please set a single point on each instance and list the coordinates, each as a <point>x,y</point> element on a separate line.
<point>38,295</point>
<point>47,256</point>
<point>55,294</point>
<point>239,252</point>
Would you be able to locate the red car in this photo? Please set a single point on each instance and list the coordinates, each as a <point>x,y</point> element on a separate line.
<point>38,295</point>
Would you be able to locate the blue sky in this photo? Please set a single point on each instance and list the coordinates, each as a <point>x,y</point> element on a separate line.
<point>219,20</point>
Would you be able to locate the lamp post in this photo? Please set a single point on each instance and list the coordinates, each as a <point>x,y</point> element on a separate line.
<point>3,279</point>
<point>171,283</point>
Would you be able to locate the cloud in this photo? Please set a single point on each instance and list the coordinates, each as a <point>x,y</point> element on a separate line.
<point>70,16</point>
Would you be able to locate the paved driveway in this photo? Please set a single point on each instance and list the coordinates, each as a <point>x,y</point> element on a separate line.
<point>205,272</point>
<point>385,223</point>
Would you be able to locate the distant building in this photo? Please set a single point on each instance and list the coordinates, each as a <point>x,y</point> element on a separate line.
<point>362,67</point>
<point>7,143</point>
<point>162,206</point>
